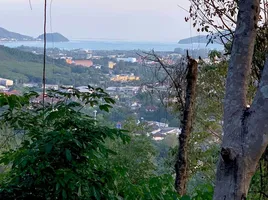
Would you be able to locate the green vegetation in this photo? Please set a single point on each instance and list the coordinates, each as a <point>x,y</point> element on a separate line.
<point>23,67</point>
<point>64,153</point>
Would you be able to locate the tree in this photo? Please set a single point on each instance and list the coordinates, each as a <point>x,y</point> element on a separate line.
<point>181,166</point>
<point>245,135</point>
<point>140,156</point>
<point>219,19</point>
<point>182,81</point>
<point>63,154</point>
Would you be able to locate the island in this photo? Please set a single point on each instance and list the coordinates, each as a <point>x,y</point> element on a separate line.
<point>53,37</point>
<point>195,39</point>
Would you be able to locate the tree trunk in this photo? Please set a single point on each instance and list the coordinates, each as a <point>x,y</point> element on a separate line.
<point>181,166</point>
<point>245,129</point>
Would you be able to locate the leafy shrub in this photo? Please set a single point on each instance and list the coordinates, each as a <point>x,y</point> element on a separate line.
<point>63,155</point>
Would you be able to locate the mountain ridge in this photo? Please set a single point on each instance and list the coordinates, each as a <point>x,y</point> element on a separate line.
<point>216,37</point>
<point>195,39</point>
<point>6,35</point>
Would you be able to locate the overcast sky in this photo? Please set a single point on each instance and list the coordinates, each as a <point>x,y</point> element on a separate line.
<point>132,20</point>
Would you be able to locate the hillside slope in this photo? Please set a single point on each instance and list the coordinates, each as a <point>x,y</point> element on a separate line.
<point>8,35</point>
<point>23,67</point>
<point>216,37</point>
<point>196,39</point>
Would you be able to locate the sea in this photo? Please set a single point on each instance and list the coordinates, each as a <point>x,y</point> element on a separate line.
<point>115,45</point>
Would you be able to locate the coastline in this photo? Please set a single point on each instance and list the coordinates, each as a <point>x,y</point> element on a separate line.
<point>113,45</point>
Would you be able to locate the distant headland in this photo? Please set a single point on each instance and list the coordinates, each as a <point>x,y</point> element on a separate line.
<point>6,35</point>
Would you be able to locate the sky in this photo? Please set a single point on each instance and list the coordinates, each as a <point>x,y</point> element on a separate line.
<point>129,20</point>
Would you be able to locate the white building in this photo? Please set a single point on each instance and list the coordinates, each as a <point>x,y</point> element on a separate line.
<point>6,82</point>
<point>132,60</point>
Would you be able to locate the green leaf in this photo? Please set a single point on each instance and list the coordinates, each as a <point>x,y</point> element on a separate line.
<point>48,147</point>
<point>64,195</point>
<point>78,143</point>
<point>96,193</point>
<point>3,100</point>
<point>186,197</point>
<point>57,186</point>
<point>109,100</point>
<point>79,191</point>
<point>68,154</point>
<point>105,107</point>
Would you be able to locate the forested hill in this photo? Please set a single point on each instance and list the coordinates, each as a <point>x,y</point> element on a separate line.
<point>196,39</point>
<point>53,37</point>
<point>8,35</point>
<point>24,67</point>
<point>216,37</point>
<point>13,54</point>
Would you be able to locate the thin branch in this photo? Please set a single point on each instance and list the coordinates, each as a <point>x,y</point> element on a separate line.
<point>183,8</point>
<point>176,84</point>
<point>206,19</point>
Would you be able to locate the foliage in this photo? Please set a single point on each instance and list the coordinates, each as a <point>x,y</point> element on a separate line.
<point>205,139</point>
<point>259,182</point>
<point>137,156</point>
<point>24,67</point>
<point>153,188</point>
<point>63,155</point>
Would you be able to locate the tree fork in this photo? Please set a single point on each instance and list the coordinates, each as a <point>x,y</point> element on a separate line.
<point>181,166</point>
<point>245,131</point>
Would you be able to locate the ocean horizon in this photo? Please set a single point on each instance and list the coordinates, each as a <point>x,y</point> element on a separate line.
<point>114,45</point>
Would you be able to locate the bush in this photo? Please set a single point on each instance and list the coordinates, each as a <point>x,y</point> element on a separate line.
<point>63,155</point>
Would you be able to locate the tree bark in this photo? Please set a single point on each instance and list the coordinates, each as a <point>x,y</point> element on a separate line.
<point>181,166</point>
<point>245,129</point>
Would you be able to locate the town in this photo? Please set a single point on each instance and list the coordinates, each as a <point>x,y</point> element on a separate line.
<point>123,74</point>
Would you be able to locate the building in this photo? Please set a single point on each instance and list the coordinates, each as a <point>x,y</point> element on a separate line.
<point>132,60</point>
<point>3,88</point>
<point>81,54</point>
<point>51,87</point>
<point>125,78</point>
<point>30,85</point>
<point>69,60</point>
<point>85,89</point>
<point>159,130</point>
<point>111,64</point>
<point>125,91</point>
<point>84,63</point>
<point>97,66</point>
<point>157,124</point>
<point>6,82</point>
<point>158,136</point>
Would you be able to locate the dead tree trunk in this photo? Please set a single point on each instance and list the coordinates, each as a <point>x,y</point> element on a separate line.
<point>245,129</point>
<point>181,166</point>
